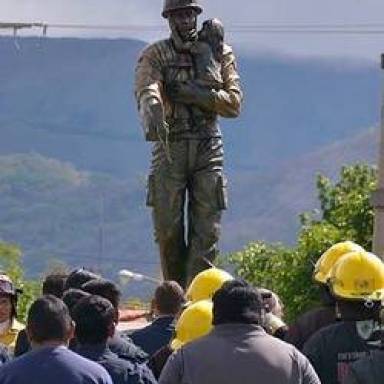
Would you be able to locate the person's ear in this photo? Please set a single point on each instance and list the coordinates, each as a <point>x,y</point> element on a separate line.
<point>111,329</point>
<point>117,316</point>
<point>71,331</point>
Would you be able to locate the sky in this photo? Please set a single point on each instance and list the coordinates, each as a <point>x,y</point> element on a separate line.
<point>235,13</point>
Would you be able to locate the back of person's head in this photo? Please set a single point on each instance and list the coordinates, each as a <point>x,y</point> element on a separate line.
<point>78,277</point>
<point>168,298</point>
<point>72,297</point>
<point>53,284</point>
<point>104,288</point>
<point>237,302</point>
<point>49,320</point>
<point>95,320</point>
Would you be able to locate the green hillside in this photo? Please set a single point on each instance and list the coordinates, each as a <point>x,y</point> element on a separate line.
<point>57,212</point>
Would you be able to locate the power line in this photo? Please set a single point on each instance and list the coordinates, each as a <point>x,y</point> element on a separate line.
<point>337,28</point>
<point>309,31</point>
<point>242,28</point>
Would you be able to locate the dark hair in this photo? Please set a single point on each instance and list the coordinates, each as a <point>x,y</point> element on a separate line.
<point>72,297</point>
<point>78,277</point>
<point>93,316</point>
<point>103,288</point>
<point>48,319</point>
<point>169,298</point>
<point>326,296</point>
<point>54,285</point>
<point>237,302</point>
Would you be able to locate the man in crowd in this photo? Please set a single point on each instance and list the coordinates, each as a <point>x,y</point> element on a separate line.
<point>72,296</point>
<point>122,345</point>
<point>166,304</point>
<point>357,282</point>
<point>194,322</point>
<point>238,349</point>
<point>95,323</point>
<point>53,284</point>
<point>274,313</point>
<point>49,328</point>
<point>78,277</point>
<point>313,320</point>
<point>9,325</point>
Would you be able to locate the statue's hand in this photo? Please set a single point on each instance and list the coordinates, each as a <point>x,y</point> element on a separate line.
<point>190,93</point>
<point>153,119</point>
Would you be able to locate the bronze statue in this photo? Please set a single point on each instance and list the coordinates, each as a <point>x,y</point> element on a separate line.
<point>182,85</point>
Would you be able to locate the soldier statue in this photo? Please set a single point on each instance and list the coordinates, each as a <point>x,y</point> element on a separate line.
<point>182,85</point>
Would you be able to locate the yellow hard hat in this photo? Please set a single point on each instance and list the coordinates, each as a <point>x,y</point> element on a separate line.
<point>358,275</point>
<point>330,257</point>
<point>206,283</point>
<point>194,322</point>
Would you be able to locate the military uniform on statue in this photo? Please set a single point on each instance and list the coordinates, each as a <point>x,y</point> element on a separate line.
<point>179,105</point>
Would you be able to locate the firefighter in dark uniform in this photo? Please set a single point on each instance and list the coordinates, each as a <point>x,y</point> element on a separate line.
<point>357,282</point>
<point>186,185</point>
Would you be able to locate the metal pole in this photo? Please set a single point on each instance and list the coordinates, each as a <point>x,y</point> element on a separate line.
<point>378,195</point>
<point>101,230</point>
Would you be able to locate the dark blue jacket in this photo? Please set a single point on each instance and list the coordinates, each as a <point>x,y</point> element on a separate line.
<point>156,335</point>
<point>122,371</point>
<point>53,365</point>
<point>125,348</point>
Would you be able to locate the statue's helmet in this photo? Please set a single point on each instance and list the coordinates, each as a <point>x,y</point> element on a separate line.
<point>174,5</point>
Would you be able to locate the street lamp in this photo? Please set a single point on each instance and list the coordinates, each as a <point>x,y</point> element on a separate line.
<point>126,276</point>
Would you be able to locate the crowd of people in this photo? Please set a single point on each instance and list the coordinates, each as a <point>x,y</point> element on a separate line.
<point>221,330</point>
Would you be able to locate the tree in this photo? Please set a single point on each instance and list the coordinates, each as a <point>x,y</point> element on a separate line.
<point>345,214</point>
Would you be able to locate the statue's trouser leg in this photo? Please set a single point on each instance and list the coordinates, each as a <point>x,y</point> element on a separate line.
<point>207,198</point>
<point>166,195</point>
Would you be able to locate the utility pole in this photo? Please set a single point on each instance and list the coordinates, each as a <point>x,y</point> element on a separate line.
<point>101,230</point>
<point>378,195</point>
